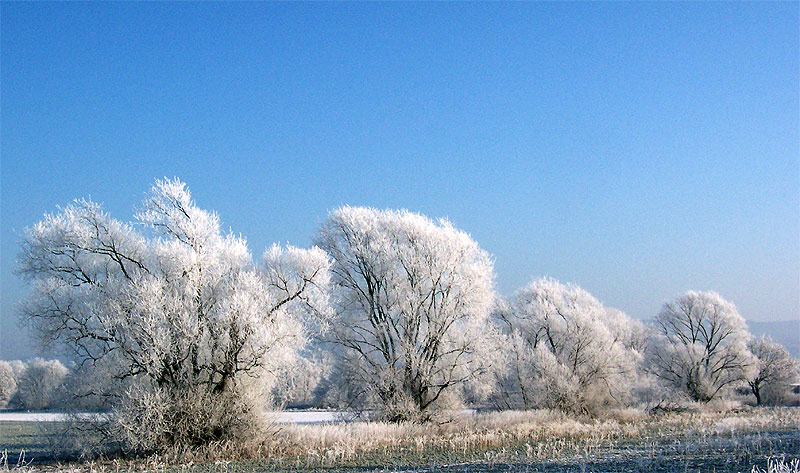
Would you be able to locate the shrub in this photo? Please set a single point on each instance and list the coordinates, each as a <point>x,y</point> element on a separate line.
<point>565,351</point>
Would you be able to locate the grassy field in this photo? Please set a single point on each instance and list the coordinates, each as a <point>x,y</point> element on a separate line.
<point>494,442</point>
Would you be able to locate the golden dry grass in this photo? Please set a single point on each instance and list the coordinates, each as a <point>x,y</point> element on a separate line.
<point>533,436</point>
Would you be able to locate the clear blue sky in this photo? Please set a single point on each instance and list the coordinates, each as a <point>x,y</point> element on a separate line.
<point>636,149</point>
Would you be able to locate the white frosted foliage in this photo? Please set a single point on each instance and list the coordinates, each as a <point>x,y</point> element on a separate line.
<point>700,345</point>
<point>170,306</point>
<point>412,299</point>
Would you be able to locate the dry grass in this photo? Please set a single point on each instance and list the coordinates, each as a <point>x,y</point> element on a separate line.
<point>779,466</point>
<point>537,435</point>
<point>490,438</point>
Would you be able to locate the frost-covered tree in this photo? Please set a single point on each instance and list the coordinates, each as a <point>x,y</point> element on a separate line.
<point>775,371</point>
<point>630,332</point>
<point>41,384</point>
<point>18,367</point>
<point>91,388</point>
<point>8,383</point>
<point>298,384</point>
<point>700,345</point>
<point>186,327</point>
<point>565,350</point>
<point>412,300</point>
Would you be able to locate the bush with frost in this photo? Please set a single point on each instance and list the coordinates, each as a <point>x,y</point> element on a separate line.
<point>776,370</point>
<point>565,350</point>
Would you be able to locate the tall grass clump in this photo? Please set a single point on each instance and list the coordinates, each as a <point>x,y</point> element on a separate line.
<point>779,465</point>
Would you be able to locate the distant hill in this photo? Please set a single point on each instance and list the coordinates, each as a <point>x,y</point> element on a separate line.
<point>786,332</point>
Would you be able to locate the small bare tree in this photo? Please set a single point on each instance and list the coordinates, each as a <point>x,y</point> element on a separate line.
<point>186,326</point>
<point>776,371</point>
<point>700,345</point>
<point>412,302</point>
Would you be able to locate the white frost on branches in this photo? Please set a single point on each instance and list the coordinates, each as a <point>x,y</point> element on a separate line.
<point>775,371</point>
<point>700,345</point>
<point>180,310</point>
<point>565,350</point>
<point>412,300</point>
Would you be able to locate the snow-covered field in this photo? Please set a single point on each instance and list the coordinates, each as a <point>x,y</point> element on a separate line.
<point>285,417</point>
<point>33,416</point>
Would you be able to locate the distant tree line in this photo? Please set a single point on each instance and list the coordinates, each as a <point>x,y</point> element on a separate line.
<point>186,339</point>
<point>34,385</point>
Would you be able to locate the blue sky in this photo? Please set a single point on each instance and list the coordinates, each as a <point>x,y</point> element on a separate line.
<point>636,149</point>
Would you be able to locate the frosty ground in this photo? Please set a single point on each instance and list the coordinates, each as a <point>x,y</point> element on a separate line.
<point>628,440</point>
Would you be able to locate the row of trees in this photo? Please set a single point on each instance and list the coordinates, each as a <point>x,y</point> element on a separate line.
<point>190,339</point>
<point>569,352</point>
